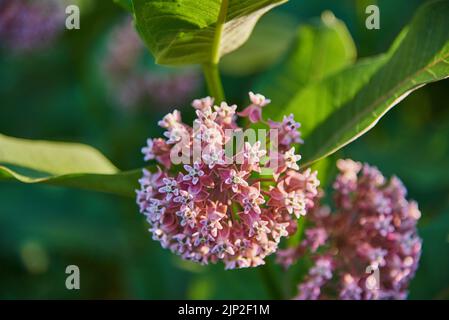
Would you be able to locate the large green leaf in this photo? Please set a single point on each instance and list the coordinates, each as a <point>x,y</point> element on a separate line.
<point>345,105</point>
<point>197,31</point>
<point>320,49</point>
<point>255,55</point>
<point>64,164</point>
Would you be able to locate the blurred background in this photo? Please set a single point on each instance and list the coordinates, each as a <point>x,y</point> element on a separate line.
<point>99,86</point>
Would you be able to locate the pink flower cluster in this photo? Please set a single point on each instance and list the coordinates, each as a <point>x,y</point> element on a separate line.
<point>219,208</point>
<point>369,247</point>
<point>27,25</point>
<point>123,65</point>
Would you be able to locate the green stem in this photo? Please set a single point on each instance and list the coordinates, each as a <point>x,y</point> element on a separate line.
<point>211,72</point>
<point>215,58</point>
<point>212,76</point>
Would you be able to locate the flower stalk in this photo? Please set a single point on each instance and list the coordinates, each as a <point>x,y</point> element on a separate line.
<point>213,81</point>
<point>211,71</point>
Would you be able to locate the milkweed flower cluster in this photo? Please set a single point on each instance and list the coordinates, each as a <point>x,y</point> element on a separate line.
<point>369,247</point>
<point>28,25</point>
<point>220,206</point>
<point>129,80</point>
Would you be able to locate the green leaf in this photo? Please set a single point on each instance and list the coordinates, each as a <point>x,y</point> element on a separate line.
<point>64,164</point>
<point>345,105</point>
<point>181,32</point>
<point>319,49</point>
<point>270,40</point>
<point>53,157</point>
<point>125,4</point>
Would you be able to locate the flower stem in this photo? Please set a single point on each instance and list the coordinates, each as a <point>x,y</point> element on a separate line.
<point>211,71</point>
<point>212,76</point>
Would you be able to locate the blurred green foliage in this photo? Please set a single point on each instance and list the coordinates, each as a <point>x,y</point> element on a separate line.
<point>58,94</point>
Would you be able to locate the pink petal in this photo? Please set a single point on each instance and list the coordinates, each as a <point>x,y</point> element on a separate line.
<point>255,115</point>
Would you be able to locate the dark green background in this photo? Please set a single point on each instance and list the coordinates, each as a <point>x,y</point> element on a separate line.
<point>58,94</point>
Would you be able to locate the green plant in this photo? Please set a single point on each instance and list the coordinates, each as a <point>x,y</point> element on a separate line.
<point>336,97</point>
